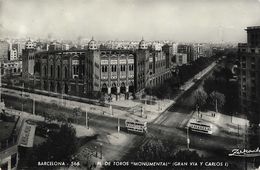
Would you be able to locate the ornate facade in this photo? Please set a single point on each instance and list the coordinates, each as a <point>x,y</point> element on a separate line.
<point>117,72</point>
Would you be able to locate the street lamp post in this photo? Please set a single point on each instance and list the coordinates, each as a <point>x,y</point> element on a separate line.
<point>87,123</point>
<point>238,130</point>
<point>197,109</point>
<point>145,109</point>
<point>22,97</point>
<point>96,151</point>
<point>111,109</point>
<point>101,150</point>
<point>33,105</point>
<point>0,81</point>
<point>216,105</point>
<point>118,125</point>
<point>188,139</point>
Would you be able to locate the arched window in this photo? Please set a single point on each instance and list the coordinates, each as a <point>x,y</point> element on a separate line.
<point>58,72</point>
<point>51,70</point>
<point>45,71</point>
<point>66,72</point>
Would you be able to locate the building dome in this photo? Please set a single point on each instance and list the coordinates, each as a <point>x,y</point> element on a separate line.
<point>142,45</point>
<point>29,45</point>
<point>92,45</point>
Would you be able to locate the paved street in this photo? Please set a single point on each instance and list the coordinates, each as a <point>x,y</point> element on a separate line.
<point>170,125</point>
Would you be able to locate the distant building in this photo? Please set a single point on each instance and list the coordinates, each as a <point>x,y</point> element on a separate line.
<point>19,47</point>
<point>157,46</point>
<point>65,47</point>
<point>188,50</point>
<point>197,51</point>
<point>181,59</point>
<point>249,76</point>
<point>205,50</point>
<point>4,48</point>
<point>55,46</point>
<point>11,68</point>
<point>174,48</point>
<point>13,54</point>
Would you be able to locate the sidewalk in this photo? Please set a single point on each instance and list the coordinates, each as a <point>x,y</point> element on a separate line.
<point>148,116</point>
<point>119,109</point>
<point>80,130</point>
<point>105,111</point>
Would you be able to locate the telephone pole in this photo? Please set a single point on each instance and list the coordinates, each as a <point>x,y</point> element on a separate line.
<point>216,106</point>
<point>188,139</point>
<point>33,105</point>
<point>87,123</point>
<point>22,97</point>
<point>118,125</point>
<point>1,80</point>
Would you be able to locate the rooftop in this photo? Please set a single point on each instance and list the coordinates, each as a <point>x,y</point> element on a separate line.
<point>83,51</point>
<point>253,28</point>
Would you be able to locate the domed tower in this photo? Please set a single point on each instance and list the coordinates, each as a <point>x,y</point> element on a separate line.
<point>92,59</point>
<point>141,61</point>
<point>29,45</point>
<point>92,45</point>
<point>142,45</point>
<point>28,57</point>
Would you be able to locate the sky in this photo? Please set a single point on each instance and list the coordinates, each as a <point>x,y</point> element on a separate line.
<point>175,20</point>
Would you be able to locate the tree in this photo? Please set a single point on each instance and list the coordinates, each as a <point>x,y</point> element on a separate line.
<point>187,156</point>
<point>219,81</point>
<point>60,146</point>
<point>102,99</point>
<point>76,113</point>
<point>216,98</point>
<point>155,150</point>
<point>209,85</point>
<point>48,117</point>
<point>200,97</point>
<point>62,117</point>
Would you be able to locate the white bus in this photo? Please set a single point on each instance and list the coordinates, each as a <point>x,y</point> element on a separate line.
<point>201,127</point>
<point>136,126</point>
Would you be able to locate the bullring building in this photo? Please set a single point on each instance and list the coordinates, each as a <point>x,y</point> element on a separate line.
<point>119,73</point>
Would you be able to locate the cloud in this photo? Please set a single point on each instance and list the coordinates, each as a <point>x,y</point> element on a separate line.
<point>178,20</point>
